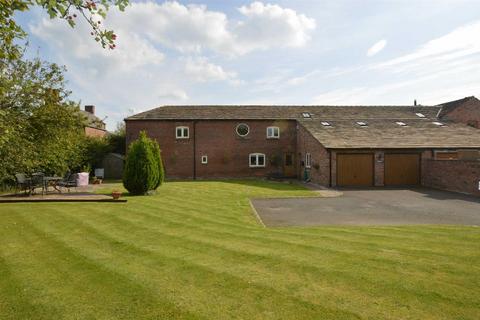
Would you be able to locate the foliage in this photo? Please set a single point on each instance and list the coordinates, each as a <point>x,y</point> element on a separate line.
<point>117,139</point>
<point>40,129</point>
<point>142,168</point>
<point>158,158</point>
<point>90,10</point>
<point>95,150</point>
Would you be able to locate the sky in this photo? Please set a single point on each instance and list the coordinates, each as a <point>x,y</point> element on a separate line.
<point>275,52</point>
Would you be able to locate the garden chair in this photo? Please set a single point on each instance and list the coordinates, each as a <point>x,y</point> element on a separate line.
<point>69,181</point>
<point>37,182</point>
<point>22,183</point>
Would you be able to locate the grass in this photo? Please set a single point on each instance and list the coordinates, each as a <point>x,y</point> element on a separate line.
<point>195,251</point>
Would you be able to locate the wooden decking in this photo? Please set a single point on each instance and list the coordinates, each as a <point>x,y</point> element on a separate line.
<point>60,197</point>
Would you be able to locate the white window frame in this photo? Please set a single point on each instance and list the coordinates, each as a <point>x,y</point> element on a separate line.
<point>362,123</point>
<point>205,159</point>
<point>401,123</point>
<point>326,124</point>
<point>257,156</point>
<point>273,129</point>
<point>308,160</point>
<point>183,130</point>
<point>242,124</point>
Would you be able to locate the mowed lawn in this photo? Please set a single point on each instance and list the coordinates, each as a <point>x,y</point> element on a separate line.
<point>196,251</point>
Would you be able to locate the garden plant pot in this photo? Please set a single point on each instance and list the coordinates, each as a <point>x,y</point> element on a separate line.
<point>116,195</point>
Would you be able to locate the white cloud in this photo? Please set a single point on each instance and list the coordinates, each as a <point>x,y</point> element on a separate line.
<point>199,69</point>
<point>457,44</point>
<point>132,50</point>
<point>194,28</point>
<point>271,26</point>
<point>376,48</point>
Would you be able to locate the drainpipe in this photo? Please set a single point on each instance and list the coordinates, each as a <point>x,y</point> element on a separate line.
<point>330,168</point>
<point>194,150</point>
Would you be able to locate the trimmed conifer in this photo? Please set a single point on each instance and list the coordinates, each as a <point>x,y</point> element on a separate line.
<point>141,173</point>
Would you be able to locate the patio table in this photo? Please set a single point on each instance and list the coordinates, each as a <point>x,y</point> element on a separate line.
<point>51,181</point>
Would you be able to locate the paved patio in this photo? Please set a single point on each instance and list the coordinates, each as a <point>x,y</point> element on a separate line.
<point>372,207</point>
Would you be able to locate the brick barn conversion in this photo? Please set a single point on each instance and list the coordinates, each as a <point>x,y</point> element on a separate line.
<point>436,146</point>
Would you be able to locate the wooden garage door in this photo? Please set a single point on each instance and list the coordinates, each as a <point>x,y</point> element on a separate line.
<point>402,169</point>
<point>355,169</point>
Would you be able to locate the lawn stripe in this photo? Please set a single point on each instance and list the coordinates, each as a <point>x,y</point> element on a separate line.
<point>71,271</point>
<point>407,292</point>
<point>129,252</point>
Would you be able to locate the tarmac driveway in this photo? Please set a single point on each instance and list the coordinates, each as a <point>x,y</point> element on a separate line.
<point>372,207</point>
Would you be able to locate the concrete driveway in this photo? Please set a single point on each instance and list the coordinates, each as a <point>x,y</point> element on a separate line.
<point>372,207</point>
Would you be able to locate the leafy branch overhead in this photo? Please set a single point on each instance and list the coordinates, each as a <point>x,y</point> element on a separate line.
<point>93,11</point>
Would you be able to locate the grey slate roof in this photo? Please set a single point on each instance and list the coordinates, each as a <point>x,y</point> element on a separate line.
<point>283,112</point>
<point>92,120</point>
<point>419,133</point>
<point>381,132</point>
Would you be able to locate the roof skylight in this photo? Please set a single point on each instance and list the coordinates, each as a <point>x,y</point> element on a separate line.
<point>362,123</point>
<point>420,115</point>
<point>401,123</point>
<point>326,124</point>
<point>306,115</point>
<point>438,123</point>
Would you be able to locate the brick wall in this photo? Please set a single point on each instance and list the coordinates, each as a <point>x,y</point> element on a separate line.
<point>459,176</point>
<point>467,113</point>
<point>320,158</point>
<point>228,153</point>
<point>94,132</point>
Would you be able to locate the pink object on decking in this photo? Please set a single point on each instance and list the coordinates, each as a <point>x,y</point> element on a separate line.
<point>82,179</point>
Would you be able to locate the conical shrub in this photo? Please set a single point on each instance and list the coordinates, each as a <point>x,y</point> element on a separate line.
<point>142,169</point>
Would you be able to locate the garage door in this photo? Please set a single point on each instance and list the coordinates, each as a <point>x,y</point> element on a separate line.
<point>355,169</point>
<point>402,169</point>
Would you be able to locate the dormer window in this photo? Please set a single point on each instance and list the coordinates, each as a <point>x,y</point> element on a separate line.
<point>326,124</point>
<point>306,115</point>
<point>362,123</point>
<point>401,123</point>
<point>420,115</point>
<point>181,132</point>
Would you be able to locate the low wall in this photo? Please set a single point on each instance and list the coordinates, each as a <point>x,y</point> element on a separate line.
<point>459,176</point>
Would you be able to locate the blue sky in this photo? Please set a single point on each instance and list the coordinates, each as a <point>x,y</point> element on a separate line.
<point>274,52</point>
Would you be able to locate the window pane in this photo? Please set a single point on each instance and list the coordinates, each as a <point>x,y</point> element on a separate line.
<point>185,132</point>
<point>242,129</point>
<point>179,132</point>
<point>276,132</point>
<point>253,160</point>
<point>261,160</point>
<point>269,132</point>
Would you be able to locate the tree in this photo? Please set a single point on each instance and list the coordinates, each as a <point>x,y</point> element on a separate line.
<point>158,157</point>
<point>117,139</point>
<point>142,167</point>
<point>68,10</point>
<point>40,129</point>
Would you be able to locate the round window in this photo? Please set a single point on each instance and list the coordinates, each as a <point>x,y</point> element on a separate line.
<point>242,129</point>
